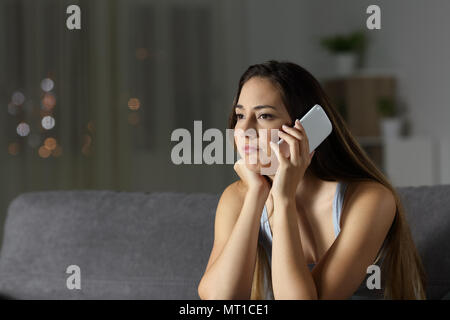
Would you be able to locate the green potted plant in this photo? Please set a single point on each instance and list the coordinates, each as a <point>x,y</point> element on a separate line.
<point>346,49</point>
<point>390,122</point>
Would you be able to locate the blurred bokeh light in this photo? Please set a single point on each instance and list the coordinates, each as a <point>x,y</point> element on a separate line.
<point>48,122</point>
<point>134,104</point>
<point>23,129</point>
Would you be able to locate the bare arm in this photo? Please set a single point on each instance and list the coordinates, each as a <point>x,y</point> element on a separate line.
<point>291,278</point>
<point>364,227</point>
<point>229,274</point>
<point>343,267</point>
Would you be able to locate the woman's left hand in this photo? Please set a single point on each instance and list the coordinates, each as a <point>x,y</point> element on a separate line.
<point>291,169</point>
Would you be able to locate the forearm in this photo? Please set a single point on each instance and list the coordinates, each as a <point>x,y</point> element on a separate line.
<point>291,278</point>
<point>231,275</point>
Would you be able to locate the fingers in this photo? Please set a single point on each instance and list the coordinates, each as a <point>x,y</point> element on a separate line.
<point>305,139</point>
<point>298,141</point>
<point>276,148</point>
<point>293,146</point>
<point>236,165</point>
<point>294,131</point>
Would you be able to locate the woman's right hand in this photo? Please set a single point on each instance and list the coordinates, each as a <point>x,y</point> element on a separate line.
<point>251,179</point>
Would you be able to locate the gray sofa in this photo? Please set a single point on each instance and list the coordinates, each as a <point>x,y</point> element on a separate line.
<point>137,245</point>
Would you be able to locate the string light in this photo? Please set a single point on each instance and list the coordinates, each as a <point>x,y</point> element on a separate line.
<point>44,152</point>
<point>50,143</point>
<point>134,104</point>
<point>48,122</point>
<point>23,129</point>
<point>20,104</point>
<point>18,98</point>
<point>13,148</point>
<point>48,101</point>
<point>47,84</point>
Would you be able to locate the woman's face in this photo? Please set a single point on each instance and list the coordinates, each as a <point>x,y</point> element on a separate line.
<point>259,110</point>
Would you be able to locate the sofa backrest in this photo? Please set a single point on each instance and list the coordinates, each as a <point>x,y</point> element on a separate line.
<point>127,245</point>
<point>428,215</point>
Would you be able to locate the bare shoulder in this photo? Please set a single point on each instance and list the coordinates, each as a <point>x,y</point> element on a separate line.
<point>371,197</point>
<point>233,196</point>
<point>372,190</point>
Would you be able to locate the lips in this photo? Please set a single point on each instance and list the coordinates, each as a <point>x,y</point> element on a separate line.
<point>249,149</point>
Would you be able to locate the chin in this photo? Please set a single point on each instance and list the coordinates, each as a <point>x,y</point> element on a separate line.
<point>253,167</point>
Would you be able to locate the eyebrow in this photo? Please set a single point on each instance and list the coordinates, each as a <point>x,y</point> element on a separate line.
<point>256,107</point>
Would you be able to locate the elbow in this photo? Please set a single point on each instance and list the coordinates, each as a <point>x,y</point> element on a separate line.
<point>205,296</point>
<point>201,291</point>
<point>211,293</point>
<point>301,294</point>
<point>204,293</point>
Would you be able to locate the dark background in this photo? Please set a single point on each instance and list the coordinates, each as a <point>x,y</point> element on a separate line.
<point>139,69</point>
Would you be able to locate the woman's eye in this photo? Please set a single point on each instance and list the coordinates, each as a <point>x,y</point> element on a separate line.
<point>266,116</point>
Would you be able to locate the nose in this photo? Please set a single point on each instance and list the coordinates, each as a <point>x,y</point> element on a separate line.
<point>250,133</point>
<point>247,128</point>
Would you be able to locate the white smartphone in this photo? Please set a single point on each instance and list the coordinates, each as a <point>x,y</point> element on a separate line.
<point>317,127</point>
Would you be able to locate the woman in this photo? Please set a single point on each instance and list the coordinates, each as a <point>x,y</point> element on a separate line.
<point>311,230</point>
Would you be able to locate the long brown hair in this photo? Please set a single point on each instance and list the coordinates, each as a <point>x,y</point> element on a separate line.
<point>339,158</point>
